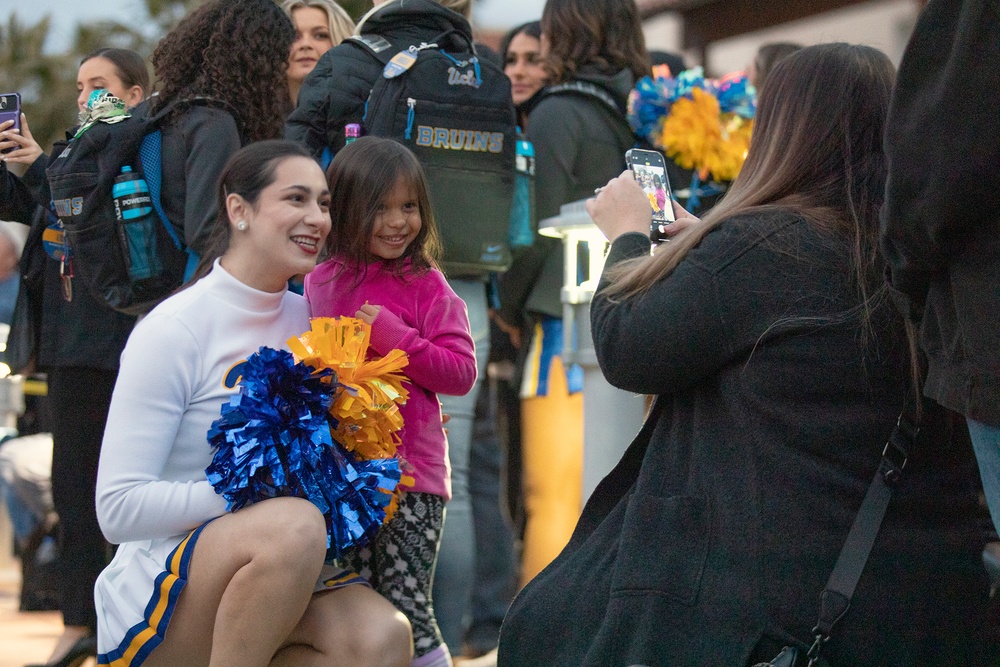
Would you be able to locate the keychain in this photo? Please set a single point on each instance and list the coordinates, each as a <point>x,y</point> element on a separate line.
<point>56,246</point>
<point>404,60</point>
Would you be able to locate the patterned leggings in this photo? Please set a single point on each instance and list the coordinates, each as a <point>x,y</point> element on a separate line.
<point>400,564</point>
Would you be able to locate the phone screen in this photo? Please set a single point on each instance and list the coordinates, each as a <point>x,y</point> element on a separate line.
<point>650,172</point>
<point>10,109</point>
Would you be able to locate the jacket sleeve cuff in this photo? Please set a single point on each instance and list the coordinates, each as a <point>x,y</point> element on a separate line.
<point>628,246</point>
<point>387,332</point>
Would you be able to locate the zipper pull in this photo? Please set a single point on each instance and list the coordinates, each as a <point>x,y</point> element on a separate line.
<point>66,273</point>
<point>412,103</point>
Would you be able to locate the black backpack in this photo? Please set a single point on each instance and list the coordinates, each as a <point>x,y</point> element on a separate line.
<point>81,178</point>
<point>456,114</point>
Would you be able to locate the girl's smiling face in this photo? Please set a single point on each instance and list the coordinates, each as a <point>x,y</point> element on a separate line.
<point>397,222</point>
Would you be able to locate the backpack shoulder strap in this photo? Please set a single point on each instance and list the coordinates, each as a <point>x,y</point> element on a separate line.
<point>375,45</point>
<point>150,152</point>
<point>586,89</point>
<point>152,172</point>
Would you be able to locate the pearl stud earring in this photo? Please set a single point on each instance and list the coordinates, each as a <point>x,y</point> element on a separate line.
<point>241,225</point>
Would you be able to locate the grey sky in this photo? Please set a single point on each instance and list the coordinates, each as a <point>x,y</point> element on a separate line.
<point>66,13</point>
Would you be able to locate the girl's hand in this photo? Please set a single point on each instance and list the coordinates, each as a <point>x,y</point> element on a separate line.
<point>620,207</point>
<point>368,313</point>
<point>25,149</point>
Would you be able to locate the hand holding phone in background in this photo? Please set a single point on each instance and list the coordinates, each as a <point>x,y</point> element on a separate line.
<point>620,207</point>
<point>18,149</point>
<point>10,115</point>
<point>650,171</point>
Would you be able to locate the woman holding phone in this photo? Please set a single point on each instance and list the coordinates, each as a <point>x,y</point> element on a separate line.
<point>779,368</point>
<point>76,340</point>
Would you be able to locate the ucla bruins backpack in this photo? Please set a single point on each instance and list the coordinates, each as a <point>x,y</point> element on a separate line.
<point>456,114</point>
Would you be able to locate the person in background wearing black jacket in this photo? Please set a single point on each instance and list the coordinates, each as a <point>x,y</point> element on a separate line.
<point>76,340</point>
<point>941,222</point>
<point>335,92</point>
<point>779,369</point>
<point>580,139</point>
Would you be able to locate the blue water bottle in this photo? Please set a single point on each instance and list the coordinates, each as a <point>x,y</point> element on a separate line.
<point>134,207</point>
<point>522,213</point>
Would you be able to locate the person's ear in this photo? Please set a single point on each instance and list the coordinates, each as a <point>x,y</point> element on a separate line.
<point>134,95</point>
<point>238,210</point>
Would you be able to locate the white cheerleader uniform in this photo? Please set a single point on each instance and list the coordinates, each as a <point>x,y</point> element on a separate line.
<point>180,365</point>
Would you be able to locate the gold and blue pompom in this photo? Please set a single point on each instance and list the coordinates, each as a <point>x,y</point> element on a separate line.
<point>274,439</point>
<point>702,125</point>
<point>365,411</point>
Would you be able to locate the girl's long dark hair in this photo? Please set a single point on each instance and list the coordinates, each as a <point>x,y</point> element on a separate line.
<point>235,52</point>
<point>362,175</point>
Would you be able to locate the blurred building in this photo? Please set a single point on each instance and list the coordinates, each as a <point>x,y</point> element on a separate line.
<point>723,35</point>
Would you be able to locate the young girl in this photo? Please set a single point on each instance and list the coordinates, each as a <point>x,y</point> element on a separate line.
<point>381,269</point>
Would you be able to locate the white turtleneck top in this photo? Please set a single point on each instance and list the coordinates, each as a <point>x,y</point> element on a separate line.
<point>175,376</point>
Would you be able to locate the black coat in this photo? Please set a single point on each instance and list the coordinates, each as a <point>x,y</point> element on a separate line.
<point>723,521</point>
<point>335,92</point>
<point>941,221</point>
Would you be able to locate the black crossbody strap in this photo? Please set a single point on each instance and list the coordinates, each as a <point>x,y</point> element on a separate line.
<point>836,597</point>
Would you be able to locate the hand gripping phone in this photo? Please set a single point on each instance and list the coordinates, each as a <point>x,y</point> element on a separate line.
<point>650,171</point>
<point>10,109</point>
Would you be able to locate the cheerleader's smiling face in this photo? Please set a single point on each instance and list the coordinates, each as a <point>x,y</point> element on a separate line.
<point>282,233</point>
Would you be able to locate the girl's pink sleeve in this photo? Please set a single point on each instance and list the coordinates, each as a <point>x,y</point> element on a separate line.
<point>442,357</point>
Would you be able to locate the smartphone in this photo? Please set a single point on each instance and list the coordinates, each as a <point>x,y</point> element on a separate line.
<point>650,171</point>
<point>10,109</point>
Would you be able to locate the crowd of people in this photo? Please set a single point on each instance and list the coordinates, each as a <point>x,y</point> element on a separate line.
<point>783,337</point>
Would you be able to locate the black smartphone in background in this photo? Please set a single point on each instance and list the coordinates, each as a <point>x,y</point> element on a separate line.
<point>650,172</point>
<point>10,109</point>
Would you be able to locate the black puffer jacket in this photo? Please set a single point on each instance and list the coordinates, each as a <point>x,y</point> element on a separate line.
<point>335,92</point>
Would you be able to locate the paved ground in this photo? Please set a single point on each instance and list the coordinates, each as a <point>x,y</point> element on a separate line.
<point>29,637</point>
<point>24,637</point>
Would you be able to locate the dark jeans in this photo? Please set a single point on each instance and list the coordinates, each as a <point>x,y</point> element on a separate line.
<point>79,400</point>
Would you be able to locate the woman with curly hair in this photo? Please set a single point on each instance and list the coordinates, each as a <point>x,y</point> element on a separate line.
<point>203,66</point>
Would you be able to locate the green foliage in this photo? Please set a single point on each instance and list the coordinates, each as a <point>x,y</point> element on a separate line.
<point>47,82</point>
<point>356,8</point>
